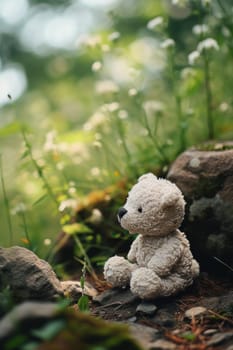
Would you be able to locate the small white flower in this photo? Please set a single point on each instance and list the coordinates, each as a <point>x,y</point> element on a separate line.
<point>114,36</point>
<point>133,92</point>
<point>180,3</point>
<point>187,73</point>
<point>104,87</point>
<point>92,40</point>
<point>226,32</point>
<point>153,107</point>
<point>68,204</point>
<point>96,216</point>
<point>156,22</point>
<point>224,106</point>
<point>96,66</point>
<point>95,171</point>
<point>105,48</point>
<point>111,107</point>
<point>96,120</point>
<point>193,57</point>
<point>199,29</point>
<point>123,114</point>
<point>47,241</point>
<point>19,209</point>
<point>208,44</point>
<point>167,44</point>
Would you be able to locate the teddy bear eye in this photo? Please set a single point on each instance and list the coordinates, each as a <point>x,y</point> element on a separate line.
<point>140,209</point>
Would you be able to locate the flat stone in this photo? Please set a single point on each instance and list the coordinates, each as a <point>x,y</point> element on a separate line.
<point>220,338</point>
<point>143,334</point>
<point>28,276</point>
<point>229,347</point>
<point>162,345</point>
<point>195,311</point>
<point>146,308</point>
<point>27,310</point>
<point>210,331</point>
<point>116,295</point>
<point>164,318</point>
<point>73,290</point>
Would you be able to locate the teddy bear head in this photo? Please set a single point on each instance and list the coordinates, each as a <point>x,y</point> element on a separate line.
<point>154,207</point>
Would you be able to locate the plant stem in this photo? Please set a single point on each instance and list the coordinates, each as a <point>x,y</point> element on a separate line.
<point>86,257</point>
<point>209,115</point>
<point>26,230</point>
<point>178,103</point>
<point>39,170</point>
<point>6,202</point>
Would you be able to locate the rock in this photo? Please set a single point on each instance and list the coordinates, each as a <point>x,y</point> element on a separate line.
<point>210,331</point>
<point>73,290</point>
<point>205,177</point>
<point>220,338</point>
<point>118,296</point>
<point>146,308</point>
<point>49,326</point>
<point>195,312</point>
<point>229,347</point>
<point>26,311</point>
<point>143,334</point>
<point>221,304</point>
<point>162,345</point>
<point>28,276</point>
<point>164,318</point>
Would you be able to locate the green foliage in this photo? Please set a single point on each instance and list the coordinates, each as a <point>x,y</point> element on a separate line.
<point>145,83</point>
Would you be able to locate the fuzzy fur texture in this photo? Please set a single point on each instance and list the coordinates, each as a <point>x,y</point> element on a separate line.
<point>159,262</point>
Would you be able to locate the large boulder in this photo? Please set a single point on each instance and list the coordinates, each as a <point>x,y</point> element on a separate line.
<point>28,276</point>
<point>205,176</point>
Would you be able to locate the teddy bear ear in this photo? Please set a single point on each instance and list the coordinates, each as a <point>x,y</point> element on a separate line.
<point>171,199</point>
<point>147,176</point>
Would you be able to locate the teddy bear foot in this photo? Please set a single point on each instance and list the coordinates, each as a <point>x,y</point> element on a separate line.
<point>145,283</point>
<point>118,271</point>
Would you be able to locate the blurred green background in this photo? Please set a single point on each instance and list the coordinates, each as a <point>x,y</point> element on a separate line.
<point>93,92</point>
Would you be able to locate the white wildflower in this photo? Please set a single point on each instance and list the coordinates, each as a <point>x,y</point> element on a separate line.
<point>95,171</point>
<point>193,57</point>
<point>49,144</point>
<point>47,241</point>
<point>106,87</point>
<point>60,166</point>
<point>199,29</point>
<point>224,107</point>
<point>156,22</point>
<point>168,43</point>
<point>133,92</point>
<point>92,40</point>
<point>180,3</point>
<point>153,107</point>
<point>96,120</point>
<point>208,44</point>
<point>123,114</point>
<point>114,36</point>
<point>19,209</point>
<point>97,144</point>
<point>96,66</point>
<point>226,32</point>
<point>96,216</point>
<point>111,107</point>
<point>105,48</point>
<point>68,204</point>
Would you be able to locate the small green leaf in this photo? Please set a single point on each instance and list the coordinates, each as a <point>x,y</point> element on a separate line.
<point>188,336</point>
<point>75,228</point>
<point>49,331</point>
<point>40,199</point>
<point>83,303</point>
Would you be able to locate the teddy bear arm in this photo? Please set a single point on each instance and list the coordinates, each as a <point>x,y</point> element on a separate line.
<point>166,257</point>
<point>133,251</point>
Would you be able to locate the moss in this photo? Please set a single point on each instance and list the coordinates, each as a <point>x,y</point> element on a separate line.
<point>215,146</point>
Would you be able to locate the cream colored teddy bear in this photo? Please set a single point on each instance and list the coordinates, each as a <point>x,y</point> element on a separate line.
<point>160,262</point>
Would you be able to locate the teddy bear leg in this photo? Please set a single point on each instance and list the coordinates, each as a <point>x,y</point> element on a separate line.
<point>174,284</point>
<point>195,268</point>
<point>145,283</point>
<point>118,270</point>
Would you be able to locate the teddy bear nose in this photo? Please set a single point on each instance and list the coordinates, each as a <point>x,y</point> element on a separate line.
<point>121,212</point>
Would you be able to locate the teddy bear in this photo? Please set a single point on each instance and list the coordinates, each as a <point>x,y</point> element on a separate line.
<point>159,262</point>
